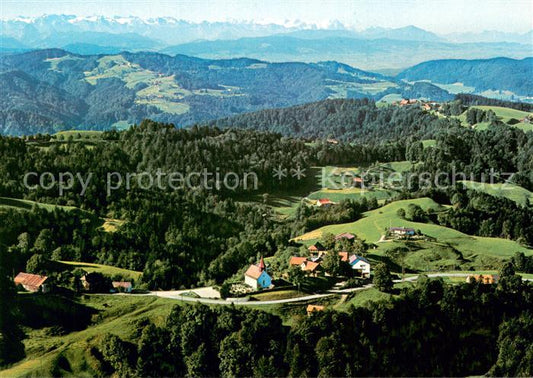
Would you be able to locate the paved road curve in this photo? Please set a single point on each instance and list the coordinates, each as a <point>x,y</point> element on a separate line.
<point>241,302</point>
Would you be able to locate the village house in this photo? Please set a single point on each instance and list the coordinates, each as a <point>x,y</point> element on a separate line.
<point>314,308</point>
<point>124,286</point>
<point>312,268</point>
<point>358,182</point>
<point>402,231</point>
<point>406,102</point>
<point>257,277</point>
<point>324,202</point>
<point>297,261</point>
<point>487,279</point>
<point>310,265</point>
<point>345,235</point>
<point>315,248</point>
<point>361,265</point>
<point>32,282</point>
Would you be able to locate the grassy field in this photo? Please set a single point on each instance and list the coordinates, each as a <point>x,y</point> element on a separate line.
<point>277,295</point>
<point>510,191</point>
<point>450,248</point>
<point>504,115</point>
<point>106,270</point>
<point>364,297</point>
<point>390,98</point>
<point>374,223</point>
<point>456,88</point>
<point>351,193</point>
<point>112,225</point>
<point>20,204</point>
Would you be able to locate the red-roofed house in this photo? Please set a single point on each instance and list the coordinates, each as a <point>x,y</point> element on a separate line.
<point>358,182</point>
<point>324,202</point>
<point>296,261</point>
<point>312,268</point>
<point>317,247</point>
<point>345,235</point>
<point>31,282</point>
<point>257,277</point>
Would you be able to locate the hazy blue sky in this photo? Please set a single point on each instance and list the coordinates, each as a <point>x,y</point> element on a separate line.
<point>442,16</point>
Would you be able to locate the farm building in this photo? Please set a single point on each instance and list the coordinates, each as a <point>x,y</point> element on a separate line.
<point>317,247</point>
<point>402,231</point>
<point>257,277</point>
<point>312,268</point>
<point>360,264</point>
<point>32,282</point>
<point>324,202</point>
<point>358,182</point>
<point>297,261</point>
<point>345,235</point>
<point>124,286</point>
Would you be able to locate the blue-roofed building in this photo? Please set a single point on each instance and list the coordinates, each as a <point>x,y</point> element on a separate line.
<point>360,264</point>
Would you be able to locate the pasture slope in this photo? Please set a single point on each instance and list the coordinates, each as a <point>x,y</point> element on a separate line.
<point>106,270</point>
<point>375,223</point>
<point>510,191</point>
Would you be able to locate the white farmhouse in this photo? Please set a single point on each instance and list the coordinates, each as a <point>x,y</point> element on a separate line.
<point>361,265</point>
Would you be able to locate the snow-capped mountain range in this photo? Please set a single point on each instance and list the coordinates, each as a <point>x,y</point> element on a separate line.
<point>40,31</point>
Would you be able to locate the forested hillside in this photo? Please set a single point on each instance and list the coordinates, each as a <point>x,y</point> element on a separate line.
<point>347,120</point>
<point>497,74</point>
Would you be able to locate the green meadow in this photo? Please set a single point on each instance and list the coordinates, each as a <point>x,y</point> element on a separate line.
<point>106,270</point>
<point>20,204</point>
<point>444,249</point>
<point>510,191</point>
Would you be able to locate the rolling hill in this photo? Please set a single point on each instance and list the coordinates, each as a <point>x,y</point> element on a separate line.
<point>506,77</point>
<point>31,106</point>
<point>354,120</point>
<point>448,244</point>
<point>51,90</point>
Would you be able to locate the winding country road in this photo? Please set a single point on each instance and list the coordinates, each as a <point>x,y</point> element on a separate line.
<point>241,302</point>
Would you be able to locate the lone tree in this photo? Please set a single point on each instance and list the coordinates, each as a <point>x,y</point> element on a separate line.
<point>382,278</point>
